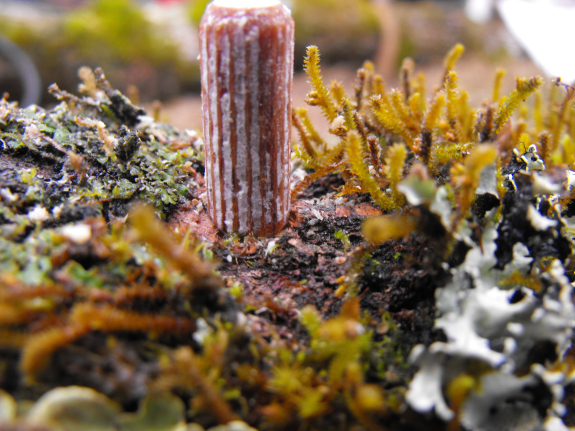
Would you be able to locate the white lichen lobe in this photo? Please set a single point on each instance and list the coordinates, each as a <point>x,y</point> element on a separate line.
<point>39,214</point>
<point>498,325</point>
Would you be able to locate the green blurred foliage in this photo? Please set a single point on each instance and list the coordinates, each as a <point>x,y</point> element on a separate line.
<point>430,29</point>
<point>114,35</point>
<point>344,31</point>
<point>196,10</point>
<point>112,30</point>
<point>117,36</point>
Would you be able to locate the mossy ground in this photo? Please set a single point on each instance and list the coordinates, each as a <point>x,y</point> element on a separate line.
<point>87,162</point>
<point>307,330</point>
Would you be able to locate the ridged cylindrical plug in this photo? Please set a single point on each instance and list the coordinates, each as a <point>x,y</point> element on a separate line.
<point>247,79</point>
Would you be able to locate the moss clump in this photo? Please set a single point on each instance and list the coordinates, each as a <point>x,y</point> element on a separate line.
<point>435,132</point>
<point>105,150</point>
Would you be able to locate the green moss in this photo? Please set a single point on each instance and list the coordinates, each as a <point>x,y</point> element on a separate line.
<point>106,30</point>
<point>343,238</point>
<point>101,167</point>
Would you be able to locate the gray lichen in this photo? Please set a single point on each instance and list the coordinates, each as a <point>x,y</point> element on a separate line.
<point>497,328</point>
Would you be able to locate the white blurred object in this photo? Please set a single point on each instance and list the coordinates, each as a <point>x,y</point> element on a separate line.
<point>173,20</point>
<point>479,11</point>
<point>544,28</point>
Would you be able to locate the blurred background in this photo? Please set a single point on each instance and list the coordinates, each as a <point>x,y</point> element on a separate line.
<point>148,48</point>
